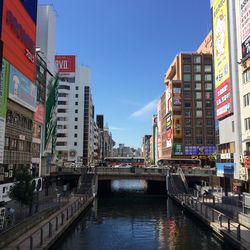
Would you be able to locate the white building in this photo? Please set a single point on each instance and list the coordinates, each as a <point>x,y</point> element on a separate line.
<point>70,108</point>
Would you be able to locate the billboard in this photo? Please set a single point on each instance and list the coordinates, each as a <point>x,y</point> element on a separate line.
<point>39,113</point>
<point>19,36</point>
<point>3,104</point>
<point>199,150</point>
<point>169,138</point>
<point>178,149</point>
<point>221,59</point>
<point>177,127</point>
<point>21,89</point>
<point>66,64</point>
<point>177,96</point>
<point>245,27</point>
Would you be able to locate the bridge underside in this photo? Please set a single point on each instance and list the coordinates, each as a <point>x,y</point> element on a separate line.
<point>102,177</point>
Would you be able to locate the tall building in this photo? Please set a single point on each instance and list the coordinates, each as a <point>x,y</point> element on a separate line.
<point>19,91</point>
<point>186,108</point>
<point>146,147</point>
<point>71,118</point>
<point>231,38</point>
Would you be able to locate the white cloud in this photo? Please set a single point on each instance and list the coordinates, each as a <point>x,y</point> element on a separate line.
<point>146,110</point>
<point>117,128</point>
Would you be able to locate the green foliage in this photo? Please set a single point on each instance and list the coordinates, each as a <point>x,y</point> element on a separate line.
<point>23,189</point>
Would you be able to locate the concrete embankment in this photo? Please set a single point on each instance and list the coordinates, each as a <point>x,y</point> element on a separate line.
<point>226,228</point>
<point>46,233</point>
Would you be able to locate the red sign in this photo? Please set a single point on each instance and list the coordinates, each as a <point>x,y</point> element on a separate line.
<point>19,36</point>
<point>39,113</point>
<point>66,64</point>
<point>223,99</point>
<point>247,162</point>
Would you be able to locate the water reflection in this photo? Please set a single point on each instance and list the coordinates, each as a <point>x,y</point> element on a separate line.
<point>137,222</point>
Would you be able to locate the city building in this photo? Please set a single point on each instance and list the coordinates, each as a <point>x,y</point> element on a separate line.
<point>186,108</point>
<point>18,97</point>
<point>231,30</point>
<point>146,148</point>
<point>73,86</point>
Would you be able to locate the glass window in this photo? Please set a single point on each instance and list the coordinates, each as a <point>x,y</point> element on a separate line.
<point>76,119</point>
<point>208,68</point>
<point>186,68</point>
<point>187,95</point>
<point>198,113</point>
<point>197,68</point>
<point>208,60</point>
<point>208,104</point>
<point>197,59</point>
<point>188,142</point>
<point>187,104</point>
<point>208,86</point>
<point>209,95</point>
<point>188,122</point>
<point>198,104</point>
<point>247,123</point>
<point>210,132</point>
<point>246,76</point>
<point>199,141</point>
<point>76,127</point>
<point>76,111</point>
<point>198,131</point>
<point>246,99</point>
<point>197,77</point>
<point>61,111</point>
<point>198,95</point>
<point>187,113</point>
<point>76,95</point>
<point>187,86</point>
<point>188,132</point>
<point>198,86</point>
<point>209,122</point>
<point>199,122</point>
<point>77,88</point>
<point>210,141</point>
<point>187,60</point>
<point>76,103</point>
<point>208,77</point>
<point>75,143</point>
<point>209,113</point>
<point>75,135</point>
<point>187,77</point>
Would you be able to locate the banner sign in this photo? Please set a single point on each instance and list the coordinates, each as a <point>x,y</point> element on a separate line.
<point>66,64</point>
<point>221,59</point>
<point>21,89</point>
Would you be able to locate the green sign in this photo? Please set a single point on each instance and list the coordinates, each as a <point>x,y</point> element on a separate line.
<point>178,149</point>
<point>4,86</point>
<point>50,119</point>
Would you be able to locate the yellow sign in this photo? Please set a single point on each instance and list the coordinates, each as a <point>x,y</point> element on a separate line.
<point>221,43</point>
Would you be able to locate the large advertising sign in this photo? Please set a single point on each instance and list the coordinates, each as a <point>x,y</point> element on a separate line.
<point>177,96</point>
<point>21,89</point>
<point>3,104</point>
<point>197,150</point>
<point>19,36</point>
<point>169,138</point>
<point>245,27</point>
<point>66,64</point>
<point>221,59</point>
<point>178,127</point>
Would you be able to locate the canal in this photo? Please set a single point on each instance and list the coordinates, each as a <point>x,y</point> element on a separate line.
<point>137,221</point>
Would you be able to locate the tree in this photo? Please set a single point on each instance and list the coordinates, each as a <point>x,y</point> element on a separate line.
<point>212,159</point>
<point>23,189</point>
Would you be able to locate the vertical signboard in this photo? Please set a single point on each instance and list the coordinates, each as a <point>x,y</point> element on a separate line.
<point>245,27</point>
<point>3,104</point>
<point>221,59</point>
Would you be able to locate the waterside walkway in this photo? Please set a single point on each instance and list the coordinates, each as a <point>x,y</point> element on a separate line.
<point>221,224</point>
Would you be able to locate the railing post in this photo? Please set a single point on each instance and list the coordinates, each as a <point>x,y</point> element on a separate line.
<point>62,217</point>
<point>31,242</point>
<point>228,225</point>
<point>238,233</point>
<point>67,213</point>
<point>56,223</point>
<point>50,229</point>
<point>41,236</point>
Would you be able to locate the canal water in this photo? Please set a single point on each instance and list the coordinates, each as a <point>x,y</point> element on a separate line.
<point>137,221</point>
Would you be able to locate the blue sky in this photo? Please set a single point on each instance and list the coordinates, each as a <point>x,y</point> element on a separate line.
<point>128,45</point>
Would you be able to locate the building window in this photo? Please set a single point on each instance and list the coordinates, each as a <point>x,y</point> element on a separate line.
<point>210,132</point>
<point>197,95</point>
<point>208,77</point>
<point>198,131</point>
<point>76,127</point>
<point>198,113</point>
<point>187,122</point>
<point>77,88</point>
<point>208,86</point>
<point>62,119</point>
<point>197,68</point>
<point>62,95</point>
<point>61,110</point>
<point>61,143</point>
<point>198,104</point>
<point>199,141</point>
<point>208,104</point>
<point>76,119</point>
<point>187,60</point>
<point>188,142</point>
<point>64,87</point>
<point>75,135</point>
<point>198,122</point>
<point>210,141</point>
<point>76,103</point>
<point>208,60</point>
<point>61,102</point>
<point>187,77</point>
<point>247,123</point>
<point>197,77</point>
<point>187,86</point>
<point>187,113</point>
<point>209,113</point>
<point>76,95</point>
<point>188,132</point>
<point>76,111</point>
<point>197,86</point>
<point>197,59</point>
<point>187,104</point>
<point>246,76</point>
<point>208,68</point>
<point>246,99</point>
<point>209,122</point>
<point>187,95</point>
<point>209,95</point>
<point>61,135</point>
<point>75,143</point>
<point>186,68</point>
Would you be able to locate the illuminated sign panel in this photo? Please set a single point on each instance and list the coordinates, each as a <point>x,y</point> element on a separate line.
<point>66,64</point>
<point>221,59</point>
<point>19,36</point>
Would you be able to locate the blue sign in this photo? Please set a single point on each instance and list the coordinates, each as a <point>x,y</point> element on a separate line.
<point>220,169</point>
<point>229,168</point>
